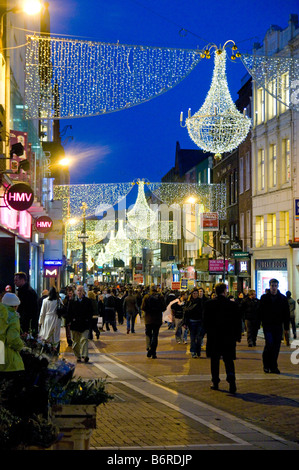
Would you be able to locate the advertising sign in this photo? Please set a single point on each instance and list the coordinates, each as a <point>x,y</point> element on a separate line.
<point>209,221</point>
<point>175,285</point>
<point>19,196</point>
<point>44,224</point>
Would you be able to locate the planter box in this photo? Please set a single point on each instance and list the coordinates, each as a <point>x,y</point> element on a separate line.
<point>75,423</point>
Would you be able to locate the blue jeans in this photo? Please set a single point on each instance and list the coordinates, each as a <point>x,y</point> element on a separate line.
<point>131,321</point>
<point>196,336</point>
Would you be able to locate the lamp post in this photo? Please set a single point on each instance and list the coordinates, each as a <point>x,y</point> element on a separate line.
<point>83,239</point>
<point>224,240</point>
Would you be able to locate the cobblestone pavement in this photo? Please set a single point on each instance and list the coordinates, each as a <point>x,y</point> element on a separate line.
<point>167,403</point>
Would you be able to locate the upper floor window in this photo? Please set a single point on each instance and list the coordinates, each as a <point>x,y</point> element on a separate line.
<point>273,164</point>
<point>261,169</point>
<point>260,111</point>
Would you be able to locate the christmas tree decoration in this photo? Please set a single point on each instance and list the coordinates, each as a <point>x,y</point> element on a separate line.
<point>218,126</point>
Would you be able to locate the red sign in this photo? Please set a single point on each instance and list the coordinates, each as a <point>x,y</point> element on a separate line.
<point>175,285</point>
<point>209,221</point>
<point>44,224</point>
<point>19,196</point>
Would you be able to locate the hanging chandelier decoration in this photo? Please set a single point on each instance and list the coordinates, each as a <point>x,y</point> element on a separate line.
<point>218,127</point>
<point>141,216</point>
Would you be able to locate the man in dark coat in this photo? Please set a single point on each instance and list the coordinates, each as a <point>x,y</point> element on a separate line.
<point>79,316</point>
<point>274,314</point>
<point>193,319</point>
<point>222,322</point>
<point>153,305</point>
<point>28,308</point>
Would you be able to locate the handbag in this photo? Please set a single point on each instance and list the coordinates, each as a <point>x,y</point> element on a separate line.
<point>60,309</point>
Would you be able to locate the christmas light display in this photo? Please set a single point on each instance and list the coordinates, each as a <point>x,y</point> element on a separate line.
<point>282,71</point>
<point>90,78</point>
<point>141,215</point>
<point>218,126</point>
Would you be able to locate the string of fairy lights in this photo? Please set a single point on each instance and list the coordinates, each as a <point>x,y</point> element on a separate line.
<point>69,78</point>
<point>143,226</point>
<point>84,78</point>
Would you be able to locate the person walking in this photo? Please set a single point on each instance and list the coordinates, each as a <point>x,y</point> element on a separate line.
<point>153,305</point>
<point>193,319</point>
<point>274,314</point>
<point>49,321</point>
<point>249,311</point>
<point>292,306</point>
<point>130,309</point>
<point>177,307</point>
<point>95,314</point>
<point>110,310</point>
<point>79,316</point>
<point>222,322</point>
<point>70,295</point>
<point>28,308</point>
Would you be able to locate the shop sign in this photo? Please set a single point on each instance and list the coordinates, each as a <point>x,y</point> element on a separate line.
<point>175,285</point>
<point>51,272</point>
<point>44,224</point>
<point>271,264</point>
<point>209,221</point>
<point>243,267</point>
<point>19,196</point>
<point>216,266</point>
<point>138,278</point>
<point>51,262</point>
<point>240,254</point>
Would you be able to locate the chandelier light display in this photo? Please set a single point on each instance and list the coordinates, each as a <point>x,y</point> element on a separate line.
<point>218,126</point>
<point>141,216</point>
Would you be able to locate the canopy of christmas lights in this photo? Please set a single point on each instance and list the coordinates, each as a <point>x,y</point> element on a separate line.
<point>278,75</point>
<point>218,126</point>
<point>67,78</point>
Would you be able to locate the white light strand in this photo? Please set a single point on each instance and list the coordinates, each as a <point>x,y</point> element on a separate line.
<point>67,78</point>
<point>278,75</point>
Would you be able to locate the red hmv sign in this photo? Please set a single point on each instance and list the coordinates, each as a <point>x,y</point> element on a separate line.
<point>19,196</point>
<point>44,224</point>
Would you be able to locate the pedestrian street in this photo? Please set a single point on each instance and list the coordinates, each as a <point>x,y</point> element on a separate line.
<point>167,403</point>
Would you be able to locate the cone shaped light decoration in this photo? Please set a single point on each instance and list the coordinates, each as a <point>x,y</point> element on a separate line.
<point>141,215</point>
<point>218,126</point>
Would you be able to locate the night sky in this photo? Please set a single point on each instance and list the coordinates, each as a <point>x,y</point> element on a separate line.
<point>140,142</point>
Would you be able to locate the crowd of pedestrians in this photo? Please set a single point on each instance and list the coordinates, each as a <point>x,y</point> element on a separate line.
<point>85,312</point>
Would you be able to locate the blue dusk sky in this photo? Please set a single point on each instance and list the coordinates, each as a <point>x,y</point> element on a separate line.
<point>140,142</point>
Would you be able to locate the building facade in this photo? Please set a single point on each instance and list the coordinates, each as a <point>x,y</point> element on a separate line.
<point>275,179</point>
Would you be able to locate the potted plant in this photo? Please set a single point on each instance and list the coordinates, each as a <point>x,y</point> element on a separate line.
<point>26,432</point>
<point>73,408</point>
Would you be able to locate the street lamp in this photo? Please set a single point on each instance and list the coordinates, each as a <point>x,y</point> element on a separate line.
<point>83,239</point>
<point>224,240</point>
<point>30,7</point>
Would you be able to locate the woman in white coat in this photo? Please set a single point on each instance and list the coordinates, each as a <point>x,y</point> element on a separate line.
<point>49,321</point>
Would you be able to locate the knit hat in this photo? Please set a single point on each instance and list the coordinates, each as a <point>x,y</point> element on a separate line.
<point>11,300</point>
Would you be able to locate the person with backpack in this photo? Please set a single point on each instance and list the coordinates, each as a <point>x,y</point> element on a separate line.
<point>153,305</point>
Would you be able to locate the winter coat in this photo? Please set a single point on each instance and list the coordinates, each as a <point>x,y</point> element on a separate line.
<point>28,308</point>
<point>292,307</point>
<point>130,305</point>
<point>49,321</point>
<point>10,336</point>
<point>80,314</point>
<point>274,311</point>
<point>193,309</point>
<point>223,325</point>
<point>153,305</point>
<point>249,309</point>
